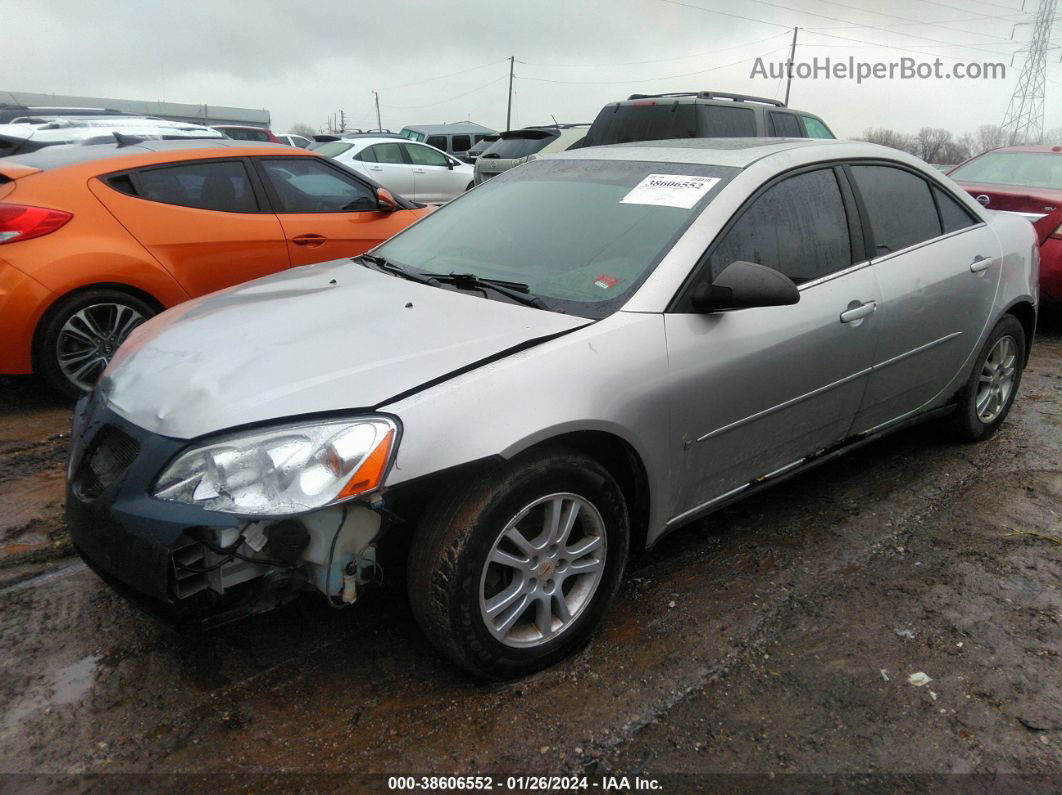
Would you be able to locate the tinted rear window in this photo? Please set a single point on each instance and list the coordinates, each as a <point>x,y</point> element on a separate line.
<point>786,125</point>
<point>246,135</point>
<point>206,184</point>
<point>508,148</point>
<point>900,206</point>
<point>625,123</point>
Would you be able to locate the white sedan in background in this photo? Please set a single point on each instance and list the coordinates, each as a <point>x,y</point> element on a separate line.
<point>414,170</point>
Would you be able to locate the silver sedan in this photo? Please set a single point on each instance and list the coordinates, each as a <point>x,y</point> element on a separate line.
<point>543,377</point>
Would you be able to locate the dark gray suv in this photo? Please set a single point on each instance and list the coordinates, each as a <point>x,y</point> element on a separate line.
<point>700,114</point>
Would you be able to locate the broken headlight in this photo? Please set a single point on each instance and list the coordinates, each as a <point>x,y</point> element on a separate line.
<point>283,470</point>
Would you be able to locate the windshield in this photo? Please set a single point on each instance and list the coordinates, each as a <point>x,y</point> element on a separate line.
<point>577,232</point>
<point>517,146</point>
<point>1021,169</point>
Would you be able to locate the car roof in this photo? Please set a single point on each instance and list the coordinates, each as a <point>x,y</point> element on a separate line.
<point>53,157</point>
<point>1028,148</point>
<point>450,128</point>
<point>734,152</point>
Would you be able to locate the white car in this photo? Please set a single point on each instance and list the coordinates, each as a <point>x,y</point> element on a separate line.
<point>22,138</point>
<point>414,170</point>
<point>291,139</point>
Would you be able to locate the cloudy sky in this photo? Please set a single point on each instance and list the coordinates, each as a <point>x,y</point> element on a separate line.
<point>437,60</point>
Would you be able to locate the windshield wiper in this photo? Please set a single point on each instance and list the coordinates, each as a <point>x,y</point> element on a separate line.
<point>517,291</point>
<point>394,269</point>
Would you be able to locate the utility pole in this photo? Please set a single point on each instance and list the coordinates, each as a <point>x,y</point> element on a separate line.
<point>379,126</point>
<point>1024,120</point>
<point>342,121</point>
<point>509,109</point>
<point>789,67</point>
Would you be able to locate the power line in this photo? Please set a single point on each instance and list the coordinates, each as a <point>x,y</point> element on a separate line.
<point>655,60</point>
<point>651,79</point>
<point>443,77</point>
<point>919,22</point>
<point>884,46</point>
<point>448,99</point>
<point>726,14</point>
<point>907,19</point>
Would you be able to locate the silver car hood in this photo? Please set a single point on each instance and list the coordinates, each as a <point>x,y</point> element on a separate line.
<point>318,338</point>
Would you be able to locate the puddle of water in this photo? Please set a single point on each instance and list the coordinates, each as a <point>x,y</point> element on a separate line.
<point>68,685</point>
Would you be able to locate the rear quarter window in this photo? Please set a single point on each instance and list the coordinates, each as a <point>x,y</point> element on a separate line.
<point>719,121</point>
<point>205,185</point>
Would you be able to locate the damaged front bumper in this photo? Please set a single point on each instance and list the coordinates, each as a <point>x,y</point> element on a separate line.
<point>193,567</point>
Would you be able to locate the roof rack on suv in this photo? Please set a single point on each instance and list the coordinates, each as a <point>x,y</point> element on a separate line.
<point>712,95</point>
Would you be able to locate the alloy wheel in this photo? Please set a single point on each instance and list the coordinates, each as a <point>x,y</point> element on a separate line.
<point>543,570</point>
<point>89,338</point>
<point>996,383</point>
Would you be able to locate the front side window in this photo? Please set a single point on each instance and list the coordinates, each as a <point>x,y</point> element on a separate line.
<point>798,227</point>
<point>900,206</point>
<point>304,185</point>
<point>598,248</point>
<point>412,135</point>
<point>423,156</point>
<point>815,128</point>
<point>205,184</point>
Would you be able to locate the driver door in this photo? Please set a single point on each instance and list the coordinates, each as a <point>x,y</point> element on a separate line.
<point>326,213</point>
<point>754,391</point>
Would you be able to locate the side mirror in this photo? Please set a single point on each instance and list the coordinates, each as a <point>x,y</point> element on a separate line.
<point>450,164</point>
<point>742,285</point>
<point>385,200</point>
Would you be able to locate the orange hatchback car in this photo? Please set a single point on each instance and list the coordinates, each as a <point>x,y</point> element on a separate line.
<point>96,239</point>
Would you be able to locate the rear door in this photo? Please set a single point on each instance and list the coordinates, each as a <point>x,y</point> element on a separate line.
<point>388,165</point>
<point>326,212</point>
<point>938,266</point>
<point>204,220</point>
<point>756,390</point>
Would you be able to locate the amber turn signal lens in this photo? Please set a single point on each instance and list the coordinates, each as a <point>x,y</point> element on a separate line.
<point>370,474</point>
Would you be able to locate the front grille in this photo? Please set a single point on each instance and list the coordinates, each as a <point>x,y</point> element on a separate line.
<point>107,458</point>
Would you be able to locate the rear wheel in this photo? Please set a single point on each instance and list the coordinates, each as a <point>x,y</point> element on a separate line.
<point>987,397</point>
<point>514,572</point>
<point>80,334</point>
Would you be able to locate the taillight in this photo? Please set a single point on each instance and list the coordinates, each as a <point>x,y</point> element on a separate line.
<point>20,222</point>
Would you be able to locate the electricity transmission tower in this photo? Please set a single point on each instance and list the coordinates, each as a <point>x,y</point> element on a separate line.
<point>1024,120</point>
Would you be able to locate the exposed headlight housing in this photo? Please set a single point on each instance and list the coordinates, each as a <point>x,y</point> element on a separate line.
<point>283,470</point>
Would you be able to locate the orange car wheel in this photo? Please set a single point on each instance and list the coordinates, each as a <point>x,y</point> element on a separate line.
<point>79,335</point>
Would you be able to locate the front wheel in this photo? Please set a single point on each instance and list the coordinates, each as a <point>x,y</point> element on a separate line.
<point>81,333</point>
<point>987,397</point>
<point>514,572</point>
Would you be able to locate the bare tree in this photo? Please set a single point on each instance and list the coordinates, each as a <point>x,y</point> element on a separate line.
<point>930,143</point>
<point>305,130</point>
<point>1053,136</point>
<point>886,137</point>
<point>988,136</point>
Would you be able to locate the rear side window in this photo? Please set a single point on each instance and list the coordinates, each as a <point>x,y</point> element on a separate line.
<point>383,153</point>
<point>815,128</point>
<point>798,227</point>
<point>900,206</point>
<point>785,125</point>
<point>438,141</point>
<point>332,148</point>
<point>953,216</point>
<point>205,184</point>
<point>246,135</point>
<point>719,121</point>
<point>460,143</point>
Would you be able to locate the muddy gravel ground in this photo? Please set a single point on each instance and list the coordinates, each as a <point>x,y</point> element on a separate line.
<point>769,646</point>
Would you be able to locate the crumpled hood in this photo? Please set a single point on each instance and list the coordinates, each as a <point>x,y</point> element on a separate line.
<point>318,338</point>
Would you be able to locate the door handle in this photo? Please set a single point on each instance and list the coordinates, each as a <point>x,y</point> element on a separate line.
<point>375,168</point>
<point>418,171</point>
<point>309,240</point>
<point>980,263</point>
<point>859,312</point>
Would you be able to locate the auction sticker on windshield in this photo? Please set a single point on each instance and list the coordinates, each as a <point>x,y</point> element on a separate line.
<point>670,190</point>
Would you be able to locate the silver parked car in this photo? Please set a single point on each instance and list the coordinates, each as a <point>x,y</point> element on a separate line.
<point>543,377</point>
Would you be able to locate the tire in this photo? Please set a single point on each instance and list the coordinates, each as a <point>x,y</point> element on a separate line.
<point>67,332</point>
<point>449,575</point>
<point>971,424</point>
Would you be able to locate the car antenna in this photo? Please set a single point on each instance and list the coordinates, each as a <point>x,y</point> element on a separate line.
<point>554,121</point>
<point>126,140</point>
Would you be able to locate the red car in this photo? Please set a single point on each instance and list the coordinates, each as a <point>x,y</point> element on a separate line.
<point>1025,180</point>
<point>241,132</point>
